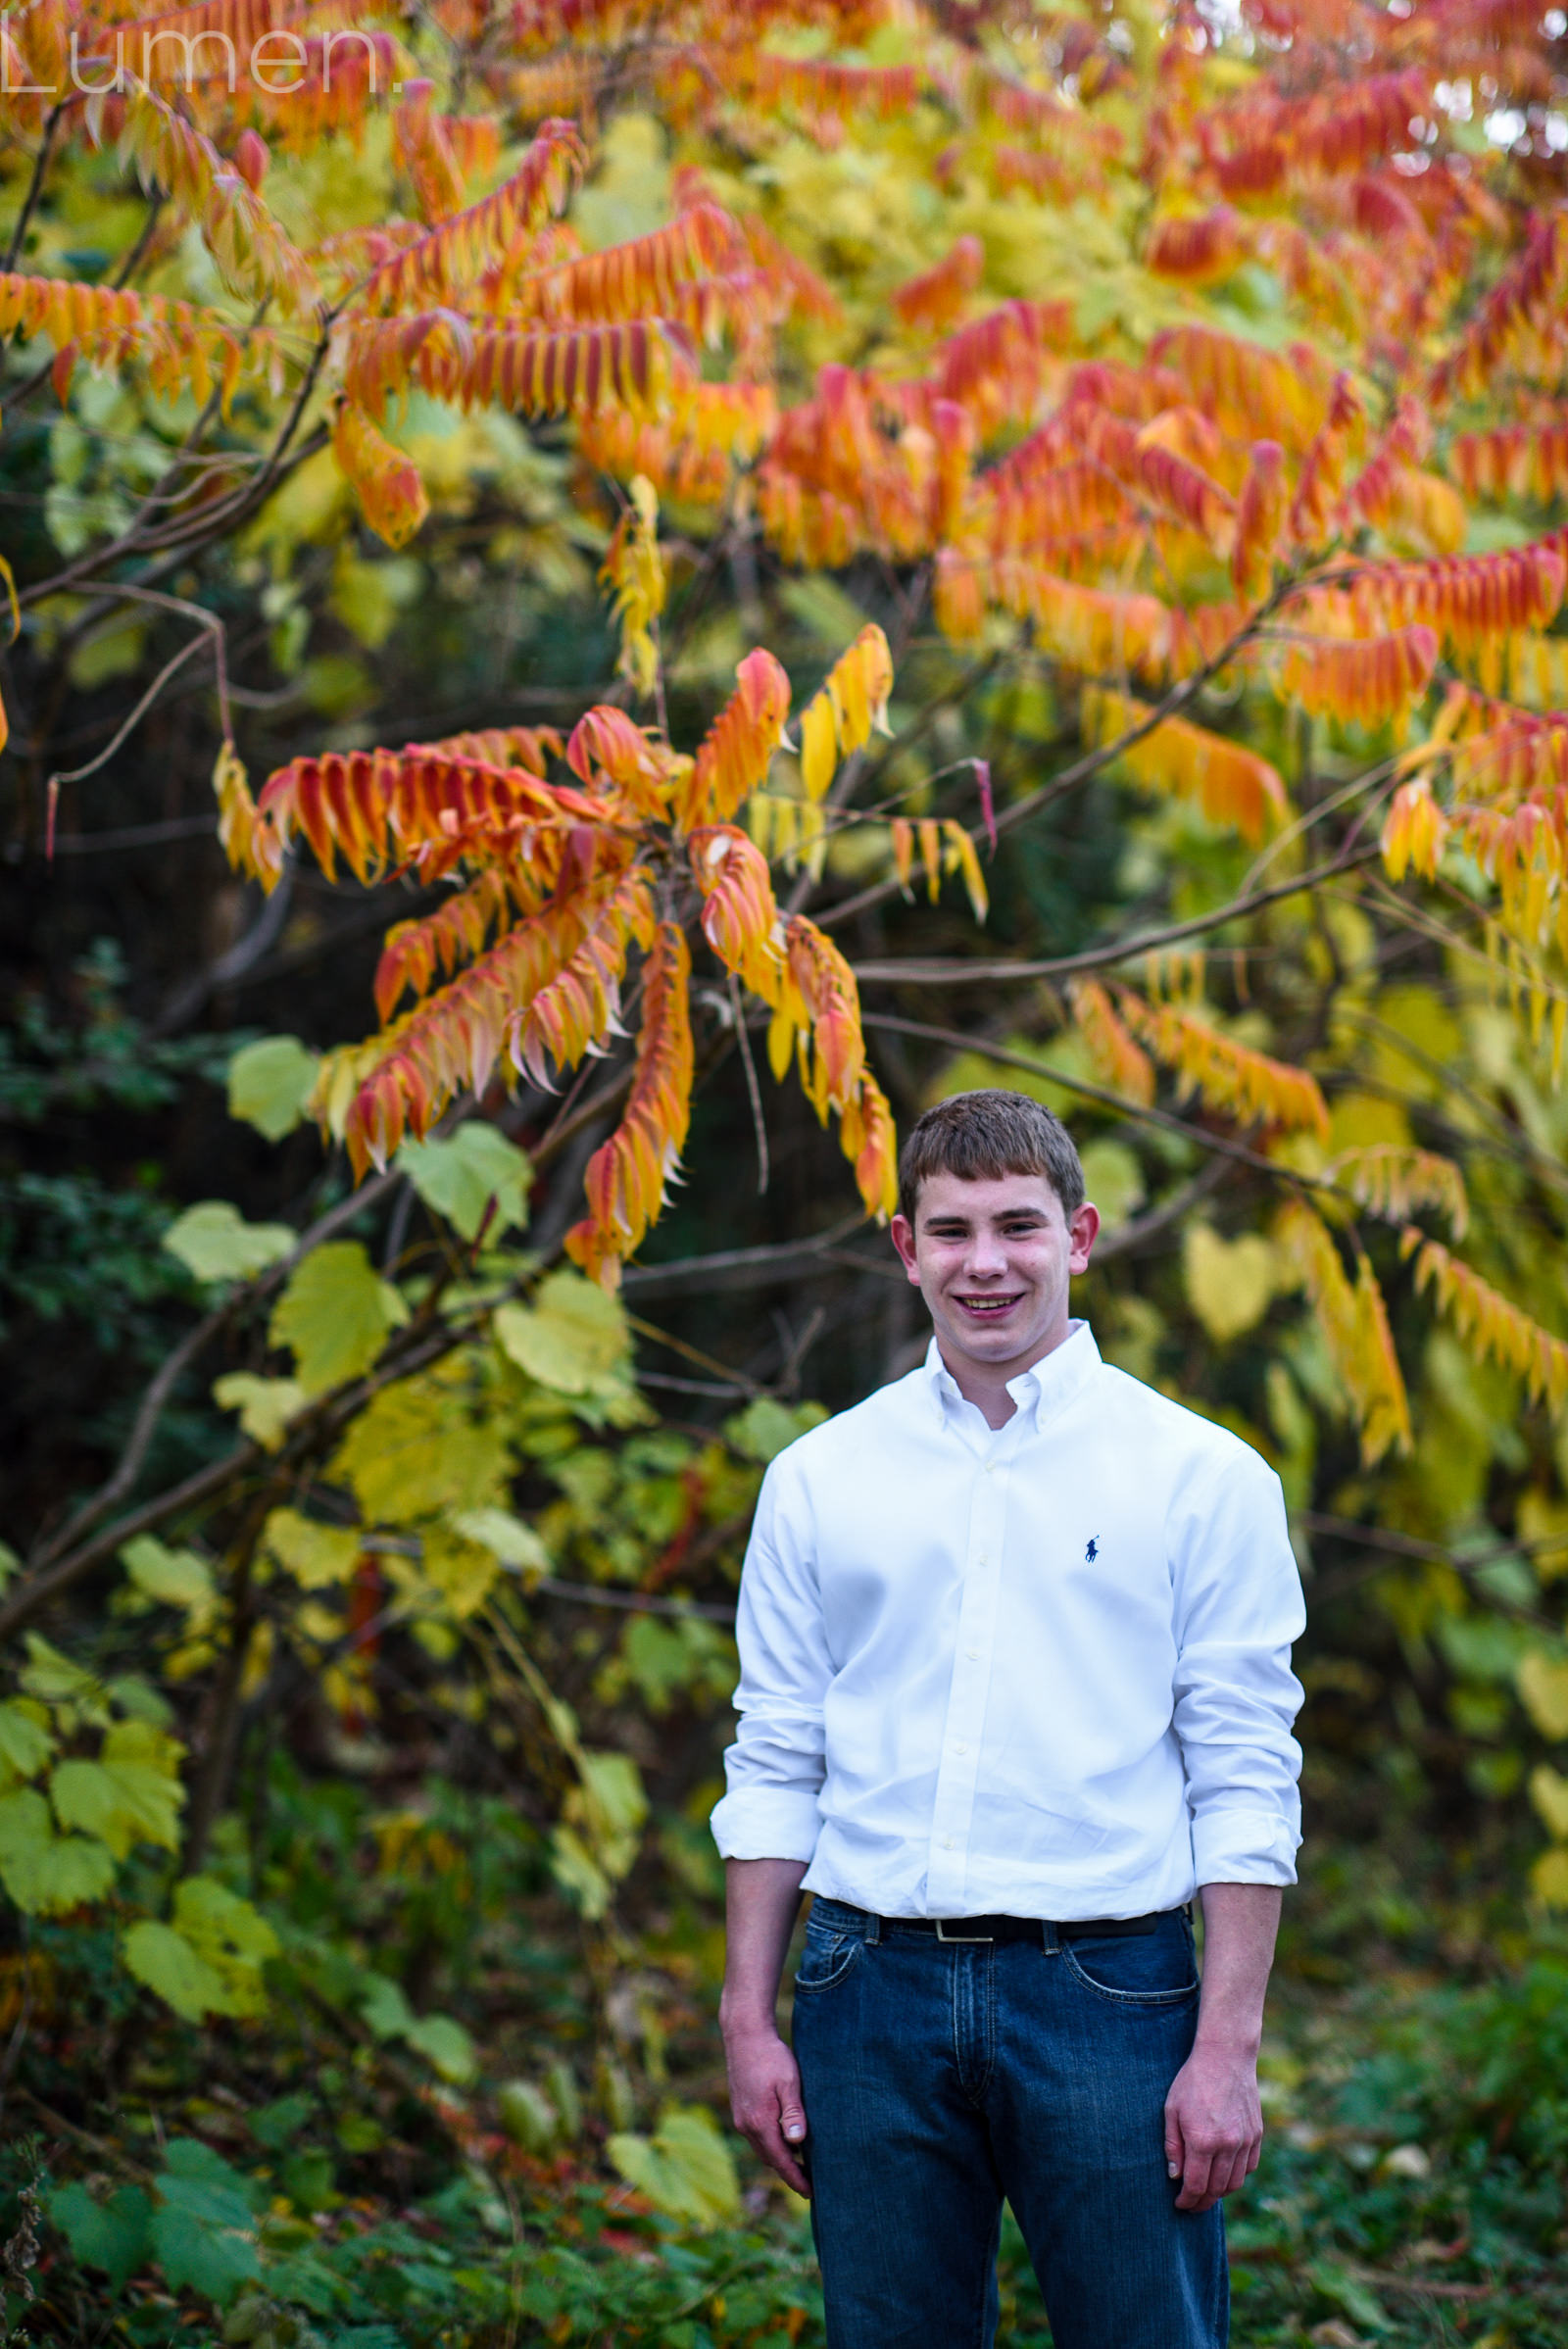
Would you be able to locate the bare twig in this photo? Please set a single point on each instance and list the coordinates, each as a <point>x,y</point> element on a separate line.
<point>40,166</point>
<point>754,1091</point>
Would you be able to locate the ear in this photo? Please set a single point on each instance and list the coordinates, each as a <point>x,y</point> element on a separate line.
<point>903,1241</point>
<point>1081,1236</point>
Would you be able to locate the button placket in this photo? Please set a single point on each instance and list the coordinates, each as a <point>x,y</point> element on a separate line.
<point>958,1763</point>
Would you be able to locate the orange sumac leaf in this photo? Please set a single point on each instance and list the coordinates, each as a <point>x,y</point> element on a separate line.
<point>455,254</point>
<point>1466,598</point>
<point>574,371</point>
<point>1231,784</point>
<point>1123,1063</point>
<point>369,806</point>
<point>1489,1323</point>
<point>733,758</point>
<point>628,1178</point>
<point>740,919</point>
<point>1371,680</point>
<point>929,304</point>
<point>386,483</point>
<point>1354,1323</point>
<point>1247,1085</point>
<point>838,719</point>
<point>1196,248</point>
<point>1392,1180</point>
<point>1259,522</point>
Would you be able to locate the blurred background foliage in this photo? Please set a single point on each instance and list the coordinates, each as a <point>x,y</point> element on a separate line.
<point>361,1939</point>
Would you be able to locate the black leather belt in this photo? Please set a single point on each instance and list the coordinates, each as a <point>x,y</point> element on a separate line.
<point>1027,1929</point>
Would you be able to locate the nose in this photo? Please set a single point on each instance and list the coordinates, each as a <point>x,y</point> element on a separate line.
<point>986,1258</point>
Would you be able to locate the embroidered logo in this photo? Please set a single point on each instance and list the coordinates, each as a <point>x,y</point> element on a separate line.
<point>1092,1551</point>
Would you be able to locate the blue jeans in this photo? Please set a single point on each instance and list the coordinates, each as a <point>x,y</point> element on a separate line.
<point>940,2078</point>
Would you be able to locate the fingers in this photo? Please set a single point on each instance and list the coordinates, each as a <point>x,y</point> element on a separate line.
<point>1209,2175</point>
<point>769,2115</point>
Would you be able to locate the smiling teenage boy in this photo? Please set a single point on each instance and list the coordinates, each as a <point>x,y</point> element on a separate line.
<point>1015,1684</point>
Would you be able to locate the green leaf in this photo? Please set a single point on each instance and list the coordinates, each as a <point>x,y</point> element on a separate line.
<point>460,1176</point>
<point>335,1314</point>
<point>112,2236</point>
<point>384,2008</point>
<point>26,1744</point>
<point>419,1450</point>
<point>317,1555</point>
<point>230,1936</point>
<point>572,1337</point>
<point>210,2260</point>
<point>686,2169</point>
<point>213,1241</point>
<point>765,1428</point>
<point>176,1578</point>
<point>269,1083</point>
<point>57,1681</point>
<point>446,2047</point>
<point>131,1794</point>
<point>515,1544</point>
<point>164,1961</point>
<point>264,1405</point>
<point>48,1875</point>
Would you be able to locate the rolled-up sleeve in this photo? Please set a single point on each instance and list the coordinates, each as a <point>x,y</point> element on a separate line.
<point>773,1771</point>
<point>1238,1609</point>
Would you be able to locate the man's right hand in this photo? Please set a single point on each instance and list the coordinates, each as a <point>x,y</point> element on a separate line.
<point>764,2098</point>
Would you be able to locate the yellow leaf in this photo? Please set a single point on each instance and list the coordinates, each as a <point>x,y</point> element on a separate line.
<point>1229,1282</point>
<point>264,1405</point>
<point>1542,1685</point>
<point>573,1337</point>
<point>335,1314</point>
<point>1549,1877</point>
<point>315,1556</point>
<point>818,746</point>
<point>1548,1791</point>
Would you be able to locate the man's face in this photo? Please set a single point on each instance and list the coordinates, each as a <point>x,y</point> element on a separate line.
<point>993,1260</point>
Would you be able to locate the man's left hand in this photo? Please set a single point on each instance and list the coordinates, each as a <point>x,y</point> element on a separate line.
<point>1213,2126</point>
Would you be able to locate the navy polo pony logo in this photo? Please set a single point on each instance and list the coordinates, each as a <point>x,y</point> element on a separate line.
<point>1092,1551</point>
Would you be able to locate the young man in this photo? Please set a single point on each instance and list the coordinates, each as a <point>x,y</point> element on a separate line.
<point>1014,1642</point>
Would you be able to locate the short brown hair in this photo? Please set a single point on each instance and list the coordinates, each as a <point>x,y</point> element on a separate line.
<point>979,1136</point>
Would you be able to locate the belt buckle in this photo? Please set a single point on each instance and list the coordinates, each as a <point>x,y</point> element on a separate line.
<point>962,1940</point>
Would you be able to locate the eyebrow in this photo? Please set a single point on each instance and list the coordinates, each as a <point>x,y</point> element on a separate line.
<point>956,1222</point>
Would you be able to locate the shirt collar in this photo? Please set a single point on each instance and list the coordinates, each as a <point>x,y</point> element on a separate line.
<point>1046,1385</point>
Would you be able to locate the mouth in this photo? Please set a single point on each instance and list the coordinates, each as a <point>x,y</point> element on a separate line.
<point>990,1308</point>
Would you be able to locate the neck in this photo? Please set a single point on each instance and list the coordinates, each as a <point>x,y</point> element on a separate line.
<point>985,1384</point>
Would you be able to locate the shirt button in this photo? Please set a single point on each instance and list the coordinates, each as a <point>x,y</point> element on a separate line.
<point>960,1748</point>
<point>973,1654</point>
<point>947,1842</point>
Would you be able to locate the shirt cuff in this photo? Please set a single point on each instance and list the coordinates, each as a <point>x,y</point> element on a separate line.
<point>1244,1847</point>
<point>766,1822</point>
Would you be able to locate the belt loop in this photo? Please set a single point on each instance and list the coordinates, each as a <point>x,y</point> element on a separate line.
<point>1049,1937</point>
<point>873,1933</point>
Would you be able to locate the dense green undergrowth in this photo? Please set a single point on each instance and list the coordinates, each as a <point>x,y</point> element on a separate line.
<point>309,2183</point>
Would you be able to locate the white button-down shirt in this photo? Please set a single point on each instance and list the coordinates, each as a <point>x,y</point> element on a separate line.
<point>1041,1671</point>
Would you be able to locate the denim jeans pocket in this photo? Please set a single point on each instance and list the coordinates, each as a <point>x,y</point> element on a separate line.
<point>826,1958</point>
<point>1154,1969</point>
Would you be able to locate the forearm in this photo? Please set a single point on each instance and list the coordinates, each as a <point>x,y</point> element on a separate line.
<point>762,1898</point>
<point>1240,1926</point>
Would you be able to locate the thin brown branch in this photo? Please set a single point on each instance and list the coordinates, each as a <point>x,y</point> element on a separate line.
<point>960,970</point>
<point>40,166</point>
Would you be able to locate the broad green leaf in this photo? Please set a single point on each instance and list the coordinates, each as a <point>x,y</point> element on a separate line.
<point>1542,1682</point>
<point>418,1450</point>
<point>578,1874</point>
<point>572,1337</point>
<point>464,1572</point>
<point>317,1555</point>
<point>264,1405</point>
<point>114,2235</point>
<point>383,2007</point>
<point>213,1241</point>
<point>269,1083</point>
<point>164,1961</point>
<point>139,1700</point>
<point>335,1315</point>
<point>527,2116</point>
<point>131,1794</point>
<point>231,1935</point>
<point>211,2260</point>
<point>763,1428</point>
<point>1114,1180</point>
<point>178,1578</point>
<point>1229,1282</point>
<point>460,1176</point>
<point>48,1875</point>
<point>446,2047</point>
<point>26,1744</point>
<point>57,1681</point>
<point>515,1544</point>
<point>685,2169</point>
